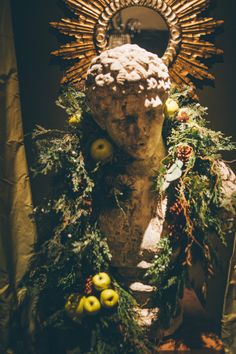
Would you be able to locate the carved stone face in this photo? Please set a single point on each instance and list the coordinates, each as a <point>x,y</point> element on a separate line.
<point>132,124</point>
<point>126,88</point>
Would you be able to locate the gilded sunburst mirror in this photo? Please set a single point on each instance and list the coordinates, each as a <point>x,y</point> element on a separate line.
<point>187,46</point>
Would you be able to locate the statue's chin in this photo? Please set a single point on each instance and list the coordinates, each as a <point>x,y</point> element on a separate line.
<point>139,154</point>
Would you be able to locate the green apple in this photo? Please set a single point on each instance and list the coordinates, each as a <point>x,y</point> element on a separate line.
<point>101,150</point>
<point>109,298</point>
<point>101,281</point>
<point>171,107</point>
<point>92,305</point>
<point>80,307</point>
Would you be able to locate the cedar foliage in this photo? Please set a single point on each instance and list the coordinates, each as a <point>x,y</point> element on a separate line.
<point>75,248</point>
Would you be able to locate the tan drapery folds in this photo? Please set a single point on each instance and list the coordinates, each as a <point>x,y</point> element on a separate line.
<point>17,230</point>
<point>229,311</point>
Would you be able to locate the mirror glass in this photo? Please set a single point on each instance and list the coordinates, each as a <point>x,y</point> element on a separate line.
<point>139,25</point>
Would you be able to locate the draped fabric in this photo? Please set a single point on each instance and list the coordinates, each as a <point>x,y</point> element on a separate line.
<point>229,311</point>
<point>17,229</point>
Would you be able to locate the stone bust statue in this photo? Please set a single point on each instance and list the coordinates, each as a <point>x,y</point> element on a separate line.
<point>126,90</point>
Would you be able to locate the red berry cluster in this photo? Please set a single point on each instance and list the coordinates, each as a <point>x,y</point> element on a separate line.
<point>89,285</point>
<point>176,208</point>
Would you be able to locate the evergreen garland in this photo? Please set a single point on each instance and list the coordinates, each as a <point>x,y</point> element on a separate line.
<point>75,249</point>
<point>190,177</point>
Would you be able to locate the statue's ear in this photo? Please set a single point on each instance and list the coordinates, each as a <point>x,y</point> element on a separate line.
<point>100,108</point>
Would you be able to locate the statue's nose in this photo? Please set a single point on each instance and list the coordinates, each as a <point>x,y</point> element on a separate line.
<point>137,125</point>
<point>141,124</point>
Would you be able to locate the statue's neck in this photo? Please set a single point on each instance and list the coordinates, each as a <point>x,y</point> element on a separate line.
<point>147,167</point>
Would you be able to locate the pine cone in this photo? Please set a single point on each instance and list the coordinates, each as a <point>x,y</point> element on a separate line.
<point>184,152</point>
<point>89,286</point>
<point>173,345</point>
<point>212,341</point>
<point>182,116</point>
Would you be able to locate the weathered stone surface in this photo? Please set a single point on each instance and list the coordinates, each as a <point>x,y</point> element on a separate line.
<point>141,292</point>
<point>126,90</point>
<point>127,65</point>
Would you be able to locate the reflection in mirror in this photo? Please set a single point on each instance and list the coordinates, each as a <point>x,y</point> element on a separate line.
<point>139,25</point>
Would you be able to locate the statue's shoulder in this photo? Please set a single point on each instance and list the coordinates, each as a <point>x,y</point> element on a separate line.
<point>226,172</point>
<point>227,185</point>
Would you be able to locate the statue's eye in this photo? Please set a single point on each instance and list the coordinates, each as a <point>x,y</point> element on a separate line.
<point>131,119</point>
<point>151,113</point>
<point>118,120</point>
<point>126,120</point>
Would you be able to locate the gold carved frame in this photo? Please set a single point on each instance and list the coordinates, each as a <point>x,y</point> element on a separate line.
<point>184,54</point>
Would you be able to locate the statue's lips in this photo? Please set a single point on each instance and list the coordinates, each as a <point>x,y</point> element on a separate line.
<point>137,146</point>
<point>140,150</point>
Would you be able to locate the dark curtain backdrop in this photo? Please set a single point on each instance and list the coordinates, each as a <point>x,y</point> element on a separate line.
<point>229,309</point>
<point>17,230</point>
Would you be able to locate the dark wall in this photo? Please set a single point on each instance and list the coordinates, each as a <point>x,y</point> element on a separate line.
<point>39,74</point>
<point>39,77</point>
<point>221,98</point>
